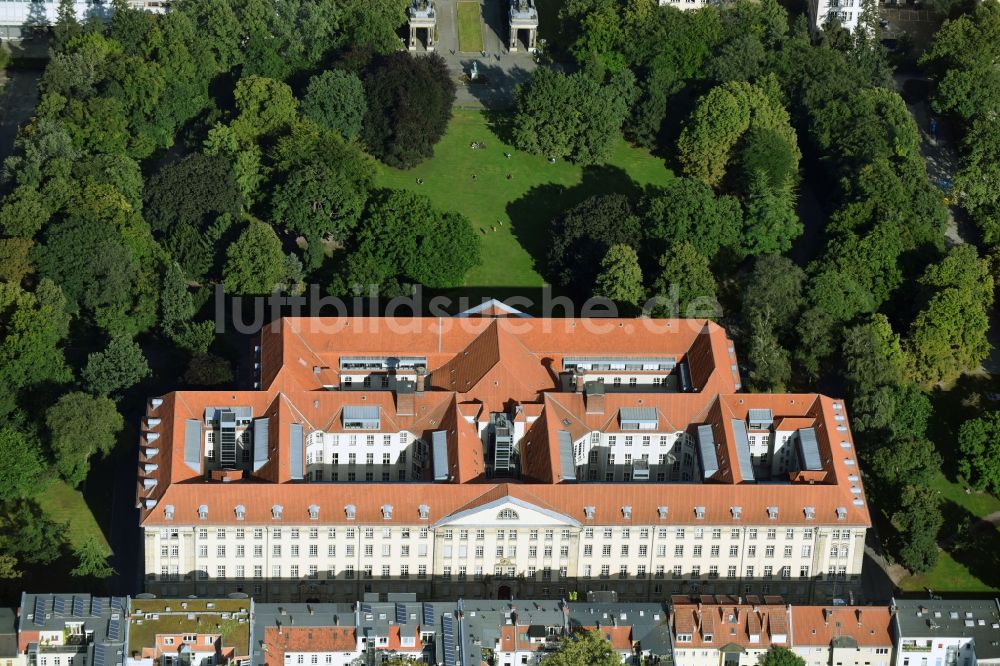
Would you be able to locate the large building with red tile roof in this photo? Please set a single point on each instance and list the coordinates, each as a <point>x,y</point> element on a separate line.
<point>498,455</point>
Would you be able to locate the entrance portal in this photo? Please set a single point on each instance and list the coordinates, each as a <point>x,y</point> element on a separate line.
<point>504,593</point>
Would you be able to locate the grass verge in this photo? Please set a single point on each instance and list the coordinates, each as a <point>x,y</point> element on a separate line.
<point>470,27</point>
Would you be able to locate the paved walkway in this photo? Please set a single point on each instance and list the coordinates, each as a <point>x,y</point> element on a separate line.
<point>499,70</point>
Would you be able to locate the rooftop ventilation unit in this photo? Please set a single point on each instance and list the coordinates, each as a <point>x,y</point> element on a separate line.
<point>760,419</point>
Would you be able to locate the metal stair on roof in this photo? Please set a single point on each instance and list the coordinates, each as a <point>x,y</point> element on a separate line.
<point>503,444</point>
<point>227,438</point>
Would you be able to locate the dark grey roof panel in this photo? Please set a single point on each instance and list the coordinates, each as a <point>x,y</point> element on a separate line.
<point>808,448</point>
<point>192,444</point>
<point>439,453</point>
<point>706,451</point>
<point>260,443</point>
<point>743,449</point>
<point>296,453</point>
<point>567,466</point>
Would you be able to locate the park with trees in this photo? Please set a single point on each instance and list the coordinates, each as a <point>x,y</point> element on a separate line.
<point>720,161</point>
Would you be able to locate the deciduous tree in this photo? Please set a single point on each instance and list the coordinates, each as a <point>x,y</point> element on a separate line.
<point>255,263</point>
<point>335,99</point>
<point>620,278</point>
<point>81,426</point>
<point>118,368</point>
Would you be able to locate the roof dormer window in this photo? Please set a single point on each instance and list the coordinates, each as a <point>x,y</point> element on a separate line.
<point>627,512</point>
<point>736,511</point>
<point>662,511</point>
<point>699,512</point>
<point>589,512</point>
<point>241,512</point>
<point>313,512</point>
<point>203,512</point>
<point>810,512</point>
<point>387,511</point>
<point>425,511</point>
<point>276,511</point>
<point>772,512</point>
<point>351,511</point>
<point>168,512</point>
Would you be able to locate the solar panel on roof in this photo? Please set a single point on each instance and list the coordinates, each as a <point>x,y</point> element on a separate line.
<point>39,611</point>
<point>96,605</point>
<point>366,608</point>
<point>58,606</point>
<point>118,603</point>
<point>78,607</point>
<point>114,629</point>
<point>448,636</point>
<point>99,655</point>
<point>428,613</point>
<point>400,613</point>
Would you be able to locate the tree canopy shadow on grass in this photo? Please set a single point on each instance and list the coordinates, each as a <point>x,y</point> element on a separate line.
<point>495,84</point>
<point>531,215</point>
<point>973,543</point>
<point>952,407</point>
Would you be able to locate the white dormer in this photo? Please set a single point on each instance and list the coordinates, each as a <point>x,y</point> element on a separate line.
<point>772,512</point>
<point>736,511</point>
<point>662,512</point>
<point>155,403</point>
<point>387,512</point>
<point>276,511</point>
<point>168,512</point>
<point>241,512</point>
<point>589,512</point>
<point>203,512</point>
<point>351,511</point>
<point>841,513</point>
<point>699,512</point>
<point>810,512</point>
<point>627,512</point>
<point>313,512</point>
<point>152,437</point>
<point>425,511</point>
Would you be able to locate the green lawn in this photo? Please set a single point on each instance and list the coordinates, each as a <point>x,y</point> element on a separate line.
<point>470,27</point>
<point>63,504</point>
<point>525,203</point>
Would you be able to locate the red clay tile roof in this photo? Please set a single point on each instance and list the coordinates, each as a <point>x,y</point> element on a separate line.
<point>718,624</point>
<point>816,626</point>
<point>279,640</point>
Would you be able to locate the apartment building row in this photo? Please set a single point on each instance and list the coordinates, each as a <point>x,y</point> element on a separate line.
<point>502,456</point>
<point>702,630</point>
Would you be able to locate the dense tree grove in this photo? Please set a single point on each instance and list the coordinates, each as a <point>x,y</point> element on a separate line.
<point>734,98</point>
<point>220,143</point>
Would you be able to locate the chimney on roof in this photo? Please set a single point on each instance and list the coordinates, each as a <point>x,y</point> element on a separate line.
<point>421,377</point>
